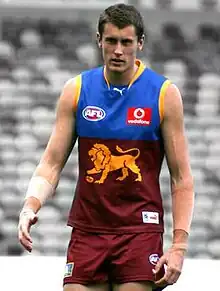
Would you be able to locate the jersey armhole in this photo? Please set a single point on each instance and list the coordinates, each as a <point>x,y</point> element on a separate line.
<point>77,91</point>
<point>163,90</point>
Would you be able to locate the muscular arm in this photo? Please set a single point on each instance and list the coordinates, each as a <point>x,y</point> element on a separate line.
<point>176,151</point>
<point>60,143</point>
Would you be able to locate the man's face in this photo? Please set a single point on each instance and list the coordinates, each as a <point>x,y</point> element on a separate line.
<point>119,47</point>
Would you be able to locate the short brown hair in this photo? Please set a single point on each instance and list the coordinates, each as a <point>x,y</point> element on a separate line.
<point>122,15</point>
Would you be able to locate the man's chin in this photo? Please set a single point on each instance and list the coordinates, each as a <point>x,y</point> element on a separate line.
<point>117,69</point>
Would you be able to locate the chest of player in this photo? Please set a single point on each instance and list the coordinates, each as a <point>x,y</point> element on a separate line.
<point>118,113</point>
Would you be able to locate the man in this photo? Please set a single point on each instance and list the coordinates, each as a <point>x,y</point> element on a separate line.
<point>125,117</point>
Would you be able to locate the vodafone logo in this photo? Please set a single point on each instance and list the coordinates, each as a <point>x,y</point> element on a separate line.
<point>93,113</point>
<point>139,116</point>
<point>139,113</point>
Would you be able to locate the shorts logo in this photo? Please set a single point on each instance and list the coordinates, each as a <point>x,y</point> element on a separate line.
<point>68,270</point>
<point>153,259</point>
<point>139,116</point>
<point>150,217</point>
<point>93,113</point>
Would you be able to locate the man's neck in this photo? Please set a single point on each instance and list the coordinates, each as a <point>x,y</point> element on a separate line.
<point>125,78</point>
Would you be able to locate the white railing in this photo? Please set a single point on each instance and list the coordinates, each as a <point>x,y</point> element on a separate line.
<point>46,273</point>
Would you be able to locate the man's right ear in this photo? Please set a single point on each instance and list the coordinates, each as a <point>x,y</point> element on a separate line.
<point>98,36</point>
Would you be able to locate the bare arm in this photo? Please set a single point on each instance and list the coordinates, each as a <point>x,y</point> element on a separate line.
<point>176,150</point>
<point>47,174</point>
<point>177,156</point>
<point>60,143</point>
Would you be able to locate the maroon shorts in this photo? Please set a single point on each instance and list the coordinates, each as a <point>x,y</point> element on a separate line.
<point>119,258</point>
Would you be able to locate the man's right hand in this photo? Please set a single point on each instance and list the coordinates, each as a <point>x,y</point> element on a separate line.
<point>26,219</point>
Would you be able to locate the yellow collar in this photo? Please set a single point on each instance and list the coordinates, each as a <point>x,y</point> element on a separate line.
<point>141,68</point>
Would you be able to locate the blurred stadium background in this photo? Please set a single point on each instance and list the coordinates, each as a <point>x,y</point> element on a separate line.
<point>43,44</point>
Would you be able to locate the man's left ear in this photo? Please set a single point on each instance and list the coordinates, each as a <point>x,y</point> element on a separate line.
<point>141,42</point>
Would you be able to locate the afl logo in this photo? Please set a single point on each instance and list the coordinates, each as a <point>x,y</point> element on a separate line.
<point>154,258</point>
<point>93,113</point>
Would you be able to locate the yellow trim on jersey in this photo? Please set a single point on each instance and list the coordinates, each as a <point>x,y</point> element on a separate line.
<point>106,80</point>
<point>78,85</point>
<point>163,90</point>
<point>141,68</point>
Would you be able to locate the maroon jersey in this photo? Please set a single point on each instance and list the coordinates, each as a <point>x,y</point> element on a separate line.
<point>120,154</point>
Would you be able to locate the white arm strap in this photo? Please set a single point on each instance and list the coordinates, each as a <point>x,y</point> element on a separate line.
<point>40,188</point>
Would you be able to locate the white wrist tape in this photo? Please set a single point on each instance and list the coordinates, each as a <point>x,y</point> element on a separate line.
<point>40,188</point>
<point>27,212</point>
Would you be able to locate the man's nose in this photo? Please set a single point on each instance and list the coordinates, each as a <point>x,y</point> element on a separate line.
<point>118,48</point>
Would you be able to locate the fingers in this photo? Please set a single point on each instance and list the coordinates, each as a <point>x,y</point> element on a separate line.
<point>171,276</point>
<point>25,223</point>
<point>26,244</point>
<point>24,237</point>
<point>160,264</point>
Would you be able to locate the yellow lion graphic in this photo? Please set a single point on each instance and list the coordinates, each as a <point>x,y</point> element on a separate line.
<point>105,162</point>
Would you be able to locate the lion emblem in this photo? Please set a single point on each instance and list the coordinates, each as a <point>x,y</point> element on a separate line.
<point>105,162</point>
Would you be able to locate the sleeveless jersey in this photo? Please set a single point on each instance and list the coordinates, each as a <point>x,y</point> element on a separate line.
<point>120,153</point>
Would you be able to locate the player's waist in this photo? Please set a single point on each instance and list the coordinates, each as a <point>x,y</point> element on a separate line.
<point>115,229</point>
<point>129,217</point>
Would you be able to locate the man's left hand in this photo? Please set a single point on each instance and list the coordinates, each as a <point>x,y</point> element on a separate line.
<point>173,259</point>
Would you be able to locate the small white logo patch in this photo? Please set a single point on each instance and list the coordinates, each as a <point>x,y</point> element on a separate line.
<point>150,217</point>
<point>93,113</point>
<point>118,90</point>
<point>154,258</point>
<point>68,270</point>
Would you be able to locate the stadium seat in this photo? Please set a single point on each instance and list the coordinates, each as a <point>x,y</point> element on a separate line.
<point>209,80</point>
<point>7,86</point>
<point>7,140</point>
<point>48,63</point>
<point>175,66</point>
<point>213,248</point>
<point>211,161</point>
<point>87,54</point>
<point>22,75</point>
<point>23,102</point>
<point>22,113</point>
<point>23,127</point>
<point>57,79</point>
<point>206,111</point>
<point>64,199</point>
<point>50,214</point>
<point>48,228</point>
<point>25,169</point>
<point>2,214</point>
<point>42,114</point>
<point>186,5</point>
<point>13,247</point>
<point>176,71</point>
<point>150,4</point>
<point>30,37</point>
<point>10,227</point>
<point>50,246</point>
<point>66,185</point>
<point>7,51</point>
<point>26,142</point>
<point>214,221</point>
<point>42,123</point>
<point>212,133</point>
